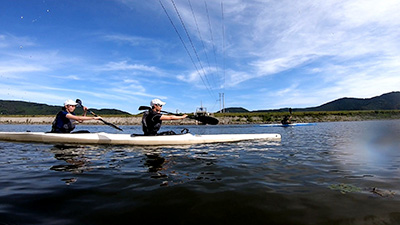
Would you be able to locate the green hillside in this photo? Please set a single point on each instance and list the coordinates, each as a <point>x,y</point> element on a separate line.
<point>388,101</point>
<point>30,108</point>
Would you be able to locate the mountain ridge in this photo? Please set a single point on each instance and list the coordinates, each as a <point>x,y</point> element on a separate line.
<point>11,107</point>
<point>387,101</point>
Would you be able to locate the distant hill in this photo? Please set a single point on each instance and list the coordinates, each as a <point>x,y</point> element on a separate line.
<point>388,101</point>
<point>30,108</point>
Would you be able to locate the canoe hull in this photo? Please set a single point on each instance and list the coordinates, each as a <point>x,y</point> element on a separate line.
<point>127,139</point>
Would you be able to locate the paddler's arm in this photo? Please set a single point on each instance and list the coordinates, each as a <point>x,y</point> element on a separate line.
<point>80,119</point>
<point>172,117</point>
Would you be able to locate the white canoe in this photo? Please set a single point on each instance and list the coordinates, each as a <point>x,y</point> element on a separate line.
<point>127,139</point>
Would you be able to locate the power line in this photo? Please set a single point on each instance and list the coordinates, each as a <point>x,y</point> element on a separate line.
<point>208,86</point>
<point>211,37</point>
<point>223,42</point>
<point>202,42</point>
<point>198,31</point>
<point>184,45</point>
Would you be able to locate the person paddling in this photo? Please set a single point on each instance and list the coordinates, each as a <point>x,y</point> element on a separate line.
<point>287,119</point>
<point>66,119</point>
<point>152,119</point>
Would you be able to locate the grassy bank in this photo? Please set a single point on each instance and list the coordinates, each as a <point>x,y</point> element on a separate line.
<point>229,118</point>
<point>307,117</point>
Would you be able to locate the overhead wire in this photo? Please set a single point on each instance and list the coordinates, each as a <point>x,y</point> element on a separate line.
<point>208,86</point>
<point>223,44</point>
<point>214,48</point>
<point>202,42</point>
<point>211,36</point>
<point>200,69</point>
<point>184,45</point>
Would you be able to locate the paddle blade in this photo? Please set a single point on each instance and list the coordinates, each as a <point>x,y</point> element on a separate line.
<point>205,119</point>
<point>79,102</point>
<point>144,108</point>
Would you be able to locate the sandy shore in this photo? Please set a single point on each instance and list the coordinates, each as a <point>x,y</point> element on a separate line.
<point>135,120</point>
<point>114,120</point>
<point>49,120</point>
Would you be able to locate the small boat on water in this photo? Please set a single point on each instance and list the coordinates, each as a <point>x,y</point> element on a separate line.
<point>128,139</point>
<point>201,112</point>
<point>287,125</point>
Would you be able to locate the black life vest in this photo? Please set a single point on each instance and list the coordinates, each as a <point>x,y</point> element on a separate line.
<point>62,124</point>
<point>151,122</point>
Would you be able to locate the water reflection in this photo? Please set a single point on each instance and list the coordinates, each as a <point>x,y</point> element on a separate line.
<point>331,173</point>
<point>75,159</point>
<point>374,147</point>
<point>80,159</point>
<point>154,162</point>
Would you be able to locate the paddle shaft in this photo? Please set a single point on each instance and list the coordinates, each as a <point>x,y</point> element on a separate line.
<point>148,108</point>
<point>94,114</point>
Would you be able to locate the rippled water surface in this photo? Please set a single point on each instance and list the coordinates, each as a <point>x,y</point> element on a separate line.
<point>329,173</point>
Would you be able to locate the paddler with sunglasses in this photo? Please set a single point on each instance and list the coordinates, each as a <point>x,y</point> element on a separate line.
<point>152,119</point>
<point>66,118</point>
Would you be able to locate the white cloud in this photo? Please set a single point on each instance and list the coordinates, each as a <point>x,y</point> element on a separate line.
<point>131,40</point>
<point>6,69</point>
<point>124,65</point>
<point>322,50</point>
<point>8,40</point>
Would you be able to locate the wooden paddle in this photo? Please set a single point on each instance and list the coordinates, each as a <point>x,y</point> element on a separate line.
<point>203,119</point>
<point>105,122</point>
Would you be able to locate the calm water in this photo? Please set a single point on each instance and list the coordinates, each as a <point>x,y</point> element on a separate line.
<point>322,174</point>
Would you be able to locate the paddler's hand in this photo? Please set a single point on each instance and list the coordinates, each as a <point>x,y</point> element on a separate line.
<point>85,109</point>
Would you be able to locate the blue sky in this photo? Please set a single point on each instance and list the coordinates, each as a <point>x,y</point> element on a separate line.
<point>261,54</point>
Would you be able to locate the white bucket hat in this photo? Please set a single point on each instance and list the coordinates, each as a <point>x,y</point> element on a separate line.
<point>156,102</point>
<point>70,102</point>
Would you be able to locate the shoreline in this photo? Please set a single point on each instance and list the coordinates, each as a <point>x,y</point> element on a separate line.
<point>224,120</point>
<point>49,120</point>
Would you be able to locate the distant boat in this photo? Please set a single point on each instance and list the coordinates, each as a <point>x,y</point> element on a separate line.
<point>287,125</point>
<point>201,111</point>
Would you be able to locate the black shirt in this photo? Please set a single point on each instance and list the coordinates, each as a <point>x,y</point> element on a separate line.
<point>62,124</point>
<point>151,122</point>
